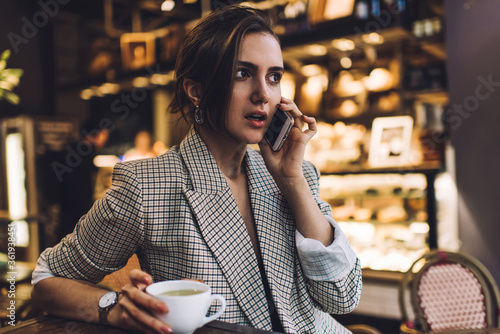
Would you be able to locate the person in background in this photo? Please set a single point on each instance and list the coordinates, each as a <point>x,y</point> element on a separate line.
<point>143,147</point>
<point>71,192</point>
<point>249,223</point>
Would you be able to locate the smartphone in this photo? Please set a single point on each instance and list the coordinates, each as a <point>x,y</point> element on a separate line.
<point>278,130</point>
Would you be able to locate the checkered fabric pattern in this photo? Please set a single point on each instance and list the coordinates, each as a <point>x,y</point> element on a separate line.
<point>451,298</point>
<point>177,213</point>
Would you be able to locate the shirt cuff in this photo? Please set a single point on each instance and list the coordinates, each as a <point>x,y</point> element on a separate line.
<point>326,263</point>
<point>42,270</point>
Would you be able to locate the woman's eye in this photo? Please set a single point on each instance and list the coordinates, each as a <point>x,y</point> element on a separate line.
<point>241,73</point>
<point>275,77</point>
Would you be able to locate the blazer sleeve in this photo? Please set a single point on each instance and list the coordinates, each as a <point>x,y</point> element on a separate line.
<point>340,294</point>
<point>107,236</point>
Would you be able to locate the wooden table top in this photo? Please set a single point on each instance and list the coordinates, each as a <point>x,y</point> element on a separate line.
<point>49,324</point>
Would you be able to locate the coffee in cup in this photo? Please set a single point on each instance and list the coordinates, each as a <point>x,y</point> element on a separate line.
<point>187,302</point>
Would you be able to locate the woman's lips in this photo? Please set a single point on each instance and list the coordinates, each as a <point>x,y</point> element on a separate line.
<point>257,119</point>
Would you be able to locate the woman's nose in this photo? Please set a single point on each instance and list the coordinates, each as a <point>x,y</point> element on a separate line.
<point>261,92</point>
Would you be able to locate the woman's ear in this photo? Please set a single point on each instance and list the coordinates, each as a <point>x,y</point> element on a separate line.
<point>193,90</point>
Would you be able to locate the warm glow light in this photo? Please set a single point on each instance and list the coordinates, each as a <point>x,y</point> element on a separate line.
<point>316,50</point>
<point>343,44</point>
<point>16,188</point>
<point>105,160</point>
<point>354,88</point>
<point>288,86</point>
<point>312,93</point>
<point>167,5</point>
<point>22,232</point>
<point>379,79</point>
<point>16,176</point>
<point>160,79</point>
<point>140,82</point>
<point>346,62</point>
<point>337,9</point>
<point>96,91</point>
<point>311,70</point>
<point>86,94</point>
<point>348,108</point>
<point>316,85</point>
<point>109,88</point>
<point>419,228</point>
<point>373,38</point>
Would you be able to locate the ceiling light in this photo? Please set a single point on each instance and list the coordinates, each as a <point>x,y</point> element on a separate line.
<point>167,5</point>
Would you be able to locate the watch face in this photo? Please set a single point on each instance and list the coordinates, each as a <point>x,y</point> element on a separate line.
<point>107,300</point>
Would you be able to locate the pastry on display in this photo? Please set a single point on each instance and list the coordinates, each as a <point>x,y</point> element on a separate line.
<point>392,214</point>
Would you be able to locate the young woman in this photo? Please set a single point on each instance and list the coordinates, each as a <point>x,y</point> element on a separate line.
<point>250,224</point>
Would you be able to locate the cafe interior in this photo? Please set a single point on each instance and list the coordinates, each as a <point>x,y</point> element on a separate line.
<point>406,95</point>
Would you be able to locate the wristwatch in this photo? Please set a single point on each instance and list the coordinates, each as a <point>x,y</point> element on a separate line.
<point>106,303</point>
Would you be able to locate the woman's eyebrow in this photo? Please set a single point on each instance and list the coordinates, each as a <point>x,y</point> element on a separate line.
<point>252,66</point>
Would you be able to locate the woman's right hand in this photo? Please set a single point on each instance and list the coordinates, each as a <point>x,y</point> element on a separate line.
<point>135,307</point>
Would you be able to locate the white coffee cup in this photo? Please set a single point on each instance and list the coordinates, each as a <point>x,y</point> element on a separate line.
<point>185,313</point>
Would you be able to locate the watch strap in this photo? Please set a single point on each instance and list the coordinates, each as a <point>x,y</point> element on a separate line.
<point>104,311</point>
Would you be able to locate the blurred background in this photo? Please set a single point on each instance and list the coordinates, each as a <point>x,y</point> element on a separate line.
<point>405,93</point>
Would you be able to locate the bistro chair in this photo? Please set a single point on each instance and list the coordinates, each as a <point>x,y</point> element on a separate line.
<point>448,291</point>
<point>363,329</point>
<point>115,281</point>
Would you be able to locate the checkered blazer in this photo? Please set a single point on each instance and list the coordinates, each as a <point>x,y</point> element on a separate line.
<point>177,213</point>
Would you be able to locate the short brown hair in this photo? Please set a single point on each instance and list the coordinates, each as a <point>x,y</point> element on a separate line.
<point>209,56</point>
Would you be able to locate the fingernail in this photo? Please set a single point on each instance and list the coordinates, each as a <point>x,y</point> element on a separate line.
<point>166,329</point>
<point>147,279</point>
<point>161,307</point>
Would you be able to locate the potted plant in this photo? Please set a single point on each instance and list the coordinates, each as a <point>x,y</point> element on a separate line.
<point>9,78</point>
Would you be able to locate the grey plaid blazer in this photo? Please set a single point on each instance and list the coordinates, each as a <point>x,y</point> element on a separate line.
<point>177,213</point>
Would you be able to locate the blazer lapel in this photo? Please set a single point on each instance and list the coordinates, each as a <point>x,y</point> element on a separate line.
<point>276,234</point>
<point>223,229</point>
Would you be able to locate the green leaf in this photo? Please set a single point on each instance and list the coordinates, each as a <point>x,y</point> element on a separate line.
<point>6,85</point>
<point>17,72</point>
<point>5,55</point>
<point>3,63</point>
<point>11,97</point>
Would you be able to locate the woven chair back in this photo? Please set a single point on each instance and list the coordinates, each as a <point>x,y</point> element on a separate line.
<point>450,291</point>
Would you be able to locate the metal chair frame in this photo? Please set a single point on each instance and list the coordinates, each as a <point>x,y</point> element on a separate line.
<point>363,329</point>
<point>413,276</point>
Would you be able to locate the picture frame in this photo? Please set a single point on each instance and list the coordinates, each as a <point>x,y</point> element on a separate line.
<point>390,141</point>
<point>138,50</point>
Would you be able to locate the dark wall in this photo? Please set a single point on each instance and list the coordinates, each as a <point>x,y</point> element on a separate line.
<point>473,46</point>
<point>26,29</point>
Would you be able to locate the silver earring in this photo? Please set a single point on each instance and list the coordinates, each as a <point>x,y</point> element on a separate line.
<point>198,115</point>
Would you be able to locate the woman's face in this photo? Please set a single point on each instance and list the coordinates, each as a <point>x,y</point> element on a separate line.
<point>256,91</point>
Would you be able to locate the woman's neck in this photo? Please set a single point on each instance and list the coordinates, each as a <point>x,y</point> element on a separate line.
<point>227,153</point>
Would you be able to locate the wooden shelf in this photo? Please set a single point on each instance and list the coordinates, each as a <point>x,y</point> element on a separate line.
<point>382,275</point>
<point>430,167</point>
<point>439,96</point>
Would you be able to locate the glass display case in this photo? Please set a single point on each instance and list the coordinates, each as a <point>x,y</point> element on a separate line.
<point>385,216</point>
<point>348,77</point>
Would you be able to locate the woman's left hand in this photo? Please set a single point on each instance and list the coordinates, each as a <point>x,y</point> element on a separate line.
<point>287,163</point>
